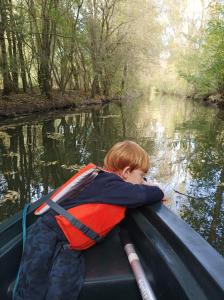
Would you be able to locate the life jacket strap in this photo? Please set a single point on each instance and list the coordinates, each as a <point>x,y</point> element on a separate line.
<point>75,222</point>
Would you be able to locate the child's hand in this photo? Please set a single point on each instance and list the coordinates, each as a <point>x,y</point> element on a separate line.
<point>165,200</point>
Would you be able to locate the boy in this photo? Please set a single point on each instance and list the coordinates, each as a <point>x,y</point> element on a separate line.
<point>50,270</point>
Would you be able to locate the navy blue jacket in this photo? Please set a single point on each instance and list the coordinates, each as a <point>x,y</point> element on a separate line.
<point>111,189</point>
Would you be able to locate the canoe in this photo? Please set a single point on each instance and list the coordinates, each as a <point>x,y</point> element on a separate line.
<point>178,262</point>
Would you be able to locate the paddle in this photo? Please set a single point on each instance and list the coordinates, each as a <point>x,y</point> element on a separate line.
<point>141,279</point>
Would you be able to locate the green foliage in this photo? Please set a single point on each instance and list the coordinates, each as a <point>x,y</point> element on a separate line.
<point>203,68</point>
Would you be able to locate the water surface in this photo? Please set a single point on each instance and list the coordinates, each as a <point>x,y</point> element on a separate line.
<point>185,141</point>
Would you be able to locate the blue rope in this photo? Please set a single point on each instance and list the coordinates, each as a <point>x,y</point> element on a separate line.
<point>24,215</point>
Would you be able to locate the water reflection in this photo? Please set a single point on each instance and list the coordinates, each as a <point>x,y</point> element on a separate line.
<point>38,156</point>
<point>206,166</point>
<point>185,142</point>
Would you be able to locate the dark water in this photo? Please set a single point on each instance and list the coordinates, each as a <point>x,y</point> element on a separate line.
<point>184,139</point>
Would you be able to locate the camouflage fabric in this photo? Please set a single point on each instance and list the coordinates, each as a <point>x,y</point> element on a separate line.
<point>49,269</point>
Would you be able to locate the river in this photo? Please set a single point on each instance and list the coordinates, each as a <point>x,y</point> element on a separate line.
<point>185,141</point>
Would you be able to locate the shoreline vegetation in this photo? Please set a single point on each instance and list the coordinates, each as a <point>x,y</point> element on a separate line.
<point>215,99</point>
<point>21,104</point>
<point>26,104</point>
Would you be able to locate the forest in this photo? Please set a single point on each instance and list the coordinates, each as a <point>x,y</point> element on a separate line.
<point>90,46</point>
<point>110,47</point>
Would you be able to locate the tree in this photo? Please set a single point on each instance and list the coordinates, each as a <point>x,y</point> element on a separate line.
<point>7,81</point>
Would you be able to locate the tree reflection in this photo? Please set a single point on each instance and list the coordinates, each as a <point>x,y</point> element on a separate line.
<point>37,158</point>
<point>206,164</point>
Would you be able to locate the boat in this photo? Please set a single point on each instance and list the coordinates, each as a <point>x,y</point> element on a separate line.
<point>178,262</point>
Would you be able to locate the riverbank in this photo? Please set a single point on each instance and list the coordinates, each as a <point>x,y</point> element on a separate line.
<point>24,104</point>
<point>213,99</point>
<point>216,99</point>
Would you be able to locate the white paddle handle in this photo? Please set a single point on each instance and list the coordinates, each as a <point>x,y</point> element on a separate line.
<point>143,284</point>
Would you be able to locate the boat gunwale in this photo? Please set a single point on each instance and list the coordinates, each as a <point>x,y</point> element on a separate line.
<point>190,245</point>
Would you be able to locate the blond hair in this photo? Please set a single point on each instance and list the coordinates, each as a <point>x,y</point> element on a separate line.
<point>126,153</point>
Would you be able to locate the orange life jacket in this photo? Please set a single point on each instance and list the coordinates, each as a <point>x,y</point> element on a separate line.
<point>85,224</point>
<point>101,218</point>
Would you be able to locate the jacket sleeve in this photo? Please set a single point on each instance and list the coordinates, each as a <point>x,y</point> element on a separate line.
<point>133,195</point>
<point>112,189</point>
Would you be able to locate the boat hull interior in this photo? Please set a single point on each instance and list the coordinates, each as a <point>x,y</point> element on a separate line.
<point>179,264</point>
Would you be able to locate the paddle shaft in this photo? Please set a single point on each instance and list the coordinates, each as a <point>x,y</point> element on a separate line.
<point>142,282</point>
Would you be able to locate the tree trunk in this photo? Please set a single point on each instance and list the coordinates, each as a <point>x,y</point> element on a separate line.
<point>7,82</point>
<point>13,52</point>
<point>44,70</point>
<point>106,86</point>
<point>22,64</point>
<point>124,77</point>
<point>15,65</point>
<point>216,220</point>
<point>95,86</point>
<point>44,75</point>
<point>95,51</point>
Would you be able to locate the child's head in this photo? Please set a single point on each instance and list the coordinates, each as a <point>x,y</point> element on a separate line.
<point>128,160</point>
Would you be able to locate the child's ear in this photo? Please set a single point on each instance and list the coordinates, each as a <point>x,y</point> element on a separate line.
<point>125,172</point>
